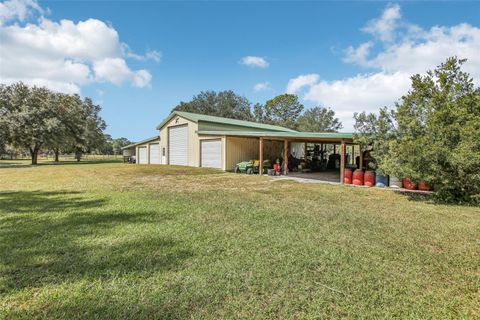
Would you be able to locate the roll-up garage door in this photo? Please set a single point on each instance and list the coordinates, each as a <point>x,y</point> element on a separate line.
<point>154,153</point>
<point>178,145</point>
<point>142,155</point>
<point>211,153</point>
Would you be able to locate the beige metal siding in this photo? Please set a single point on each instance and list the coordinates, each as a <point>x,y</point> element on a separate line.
<point>240,149</point>
<point>147,146</point>
<point>193,143</point>
<point>244,149</point>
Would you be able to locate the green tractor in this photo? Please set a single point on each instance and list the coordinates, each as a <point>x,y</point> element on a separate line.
<point>250,167</point>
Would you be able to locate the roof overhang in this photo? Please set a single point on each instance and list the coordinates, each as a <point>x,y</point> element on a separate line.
<point>291,136</point>
<point>141,142</point>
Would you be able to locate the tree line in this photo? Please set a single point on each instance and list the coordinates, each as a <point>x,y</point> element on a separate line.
<point>432,134</point>
<point>35,119</point>
<point>283,110</point>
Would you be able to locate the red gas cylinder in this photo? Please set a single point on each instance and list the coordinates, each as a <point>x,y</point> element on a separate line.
<point>358,177</point>
<point>409,185</point>
<point>276,167</point>
<point>369,178</point>
<point>422,185</point>
<point>347,176</point>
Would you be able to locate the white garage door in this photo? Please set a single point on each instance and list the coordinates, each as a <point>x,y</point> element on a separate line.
<point>178,145</point>
<point>154,153</point>
<point>142,155</point>
<point>211,154</point>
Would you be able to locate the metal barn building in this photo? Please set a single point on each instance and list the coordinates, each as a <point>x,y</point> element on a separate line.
<point>198,140</point>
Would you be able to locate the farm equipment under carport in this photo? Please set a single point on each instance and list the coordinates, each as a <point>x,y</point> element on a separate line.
<point>252,166</point>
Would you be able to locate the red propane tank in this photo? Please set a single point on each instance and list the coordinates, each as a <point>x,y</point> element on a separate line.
<point>369,178</point>
<point>358,177</point>
<point>347,176</point>
<point>409,185</point>
<point>422,185</point>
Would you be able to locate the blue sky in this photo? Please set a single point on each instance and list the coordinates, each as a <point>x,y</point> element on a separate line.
<point>350,56</point>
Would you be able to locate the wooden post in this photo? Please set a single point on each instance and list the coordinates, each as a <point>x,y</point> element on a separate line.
<point>334,149</point>
<point>342,161</point>
<point>305,153</point>
<point>361,159</point>
<point>260,169</point>
<point>285,156</point>
<point>353,155</point>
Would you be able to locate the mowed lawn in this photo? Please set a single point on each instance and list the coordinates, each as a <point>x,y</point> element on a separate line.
<point>118,241</point>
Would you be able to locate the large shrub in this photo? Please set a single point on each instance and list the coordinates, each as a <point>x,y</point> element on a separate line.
<point>433,134</point>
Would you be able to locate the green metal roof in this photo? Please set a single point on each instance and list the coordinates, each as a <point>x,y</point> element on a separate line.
<point>196,117</point>
<point>141,142</point>
<point>293,135</point>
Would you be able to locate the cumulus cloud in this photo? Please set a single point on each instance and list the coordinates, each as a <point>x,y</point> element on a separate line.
<point>384,27</point>
<point>262,86</point>
<point>301,81</point>
<point>255,62</point>
<point>64,55</point>
<point>401,50</point>
<point>18,9</point>
<point>141,78</point>
<point>361,92</point>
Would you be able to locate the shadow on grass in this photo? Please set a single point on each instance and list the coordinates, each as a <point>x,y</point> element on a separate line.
<point>84,242</point>
<point>14,202</point>
<point>417,196</point>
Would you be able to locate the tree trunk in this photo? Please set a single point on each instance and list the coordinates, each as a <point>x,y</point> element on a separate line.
<point>34,154</point>
<point>78,155</point>
<point>56,151</point>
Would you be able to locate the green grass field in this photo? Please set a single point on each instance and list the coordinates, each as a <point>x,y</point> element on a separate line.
<point>118,241</point>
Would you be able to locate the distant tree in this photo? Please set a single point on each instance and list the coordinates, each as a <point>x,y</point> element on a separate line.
<point>118,144</point>
<point>319,119</point>
<point>28,117</point>
<point>68,110</point>
<point>434,133</point>
<point>91,135</point>
<point>283,110</point>
<point>36,118</point>
<point>107,146</point>
<point>222,104</point>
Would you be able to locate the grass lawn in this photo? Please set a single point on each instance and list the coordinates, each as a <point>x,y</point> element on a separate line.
<point>112,240</point>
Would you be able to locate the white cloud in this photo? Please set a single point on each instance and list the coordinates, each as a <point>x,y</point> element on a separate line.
<point>396,52</point>
<point>262,86</point>
<point>384,27</point>
<point>18,9</point>
<point>149,55</point>
<point>65,55</point>
<point>358,55</point>
<point>295,84</point>
<point>362,92</point>
<point>141,78</point>
<point>114,70</point>
<point>255,62</point>
<point>153,55</point>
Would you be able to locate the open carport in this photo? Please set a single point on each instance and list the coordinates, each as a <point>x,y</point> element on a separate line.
<point>312,155</point>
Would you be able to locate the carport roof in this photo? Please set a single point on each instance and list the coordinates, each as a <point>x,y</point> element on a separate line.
<point>297,135</point>
<point>141,142</point>
<point>195,117</point>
